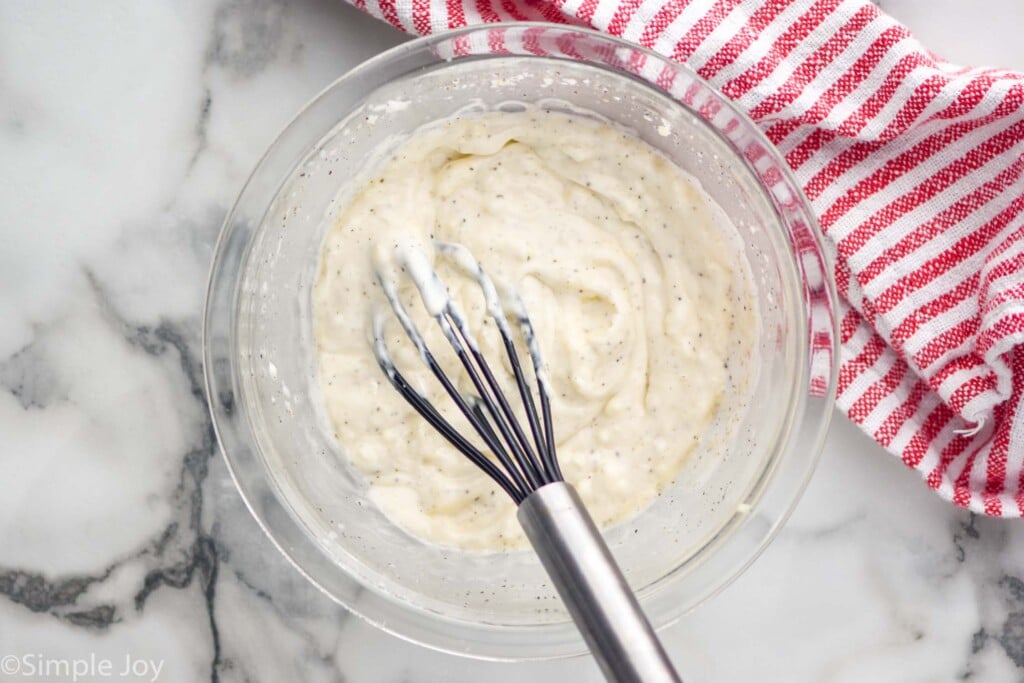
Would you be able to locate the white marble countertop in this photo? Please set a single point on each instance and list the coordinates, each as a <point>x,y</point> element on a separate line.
<point>126,130</point>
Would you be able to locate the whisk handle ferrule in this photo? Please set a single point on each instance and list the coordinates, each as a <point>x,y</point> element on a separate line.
<point>592,587</point>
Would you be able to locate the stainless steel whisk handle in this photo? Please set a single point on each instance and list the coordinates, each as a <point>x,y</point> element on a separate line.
<point>592,587</point>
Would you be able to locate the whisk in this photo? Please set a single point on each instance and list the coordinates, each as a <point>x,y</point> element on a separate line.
<point>525,465</point>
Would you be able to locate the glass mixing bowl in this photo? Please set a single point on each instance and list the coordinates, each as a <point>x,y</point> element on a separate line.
<point>735,492</point>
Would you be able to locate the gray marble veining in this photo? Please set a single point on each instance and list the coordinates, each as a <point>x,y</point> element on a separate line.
<point>126,129</point>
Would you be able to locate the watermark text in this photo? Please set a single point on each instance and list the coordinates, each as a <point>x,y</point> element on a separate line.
<point>39,666</point>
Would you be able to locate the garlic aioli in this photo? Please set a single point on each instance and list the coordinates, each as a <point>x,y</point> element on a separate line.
<point>636,289</point>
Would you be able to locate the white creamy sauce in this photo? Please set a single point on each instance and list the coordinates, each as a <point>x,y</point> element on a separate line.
<point>637,292</point>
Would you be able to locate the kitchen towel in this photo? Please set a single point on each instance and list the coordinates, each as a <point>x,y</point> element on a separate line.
<point>915,169</point>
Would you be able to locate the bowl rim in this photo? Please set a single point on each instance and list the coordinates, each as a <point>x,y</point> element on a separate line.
<point>764,479</point>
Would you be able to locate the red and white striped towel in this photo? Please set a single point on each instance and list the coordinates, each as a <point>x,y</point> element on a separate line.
<point>915,168</point>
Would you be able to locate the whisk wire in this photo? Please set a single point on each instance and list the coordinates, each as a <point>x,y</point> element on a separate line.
<point>546,430</point>
<point>524,466</point>
<point>413,397</point>
<point>436,420</point>
<point>485,386</point>
<point>530,464</point>
<point>543,434</point>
